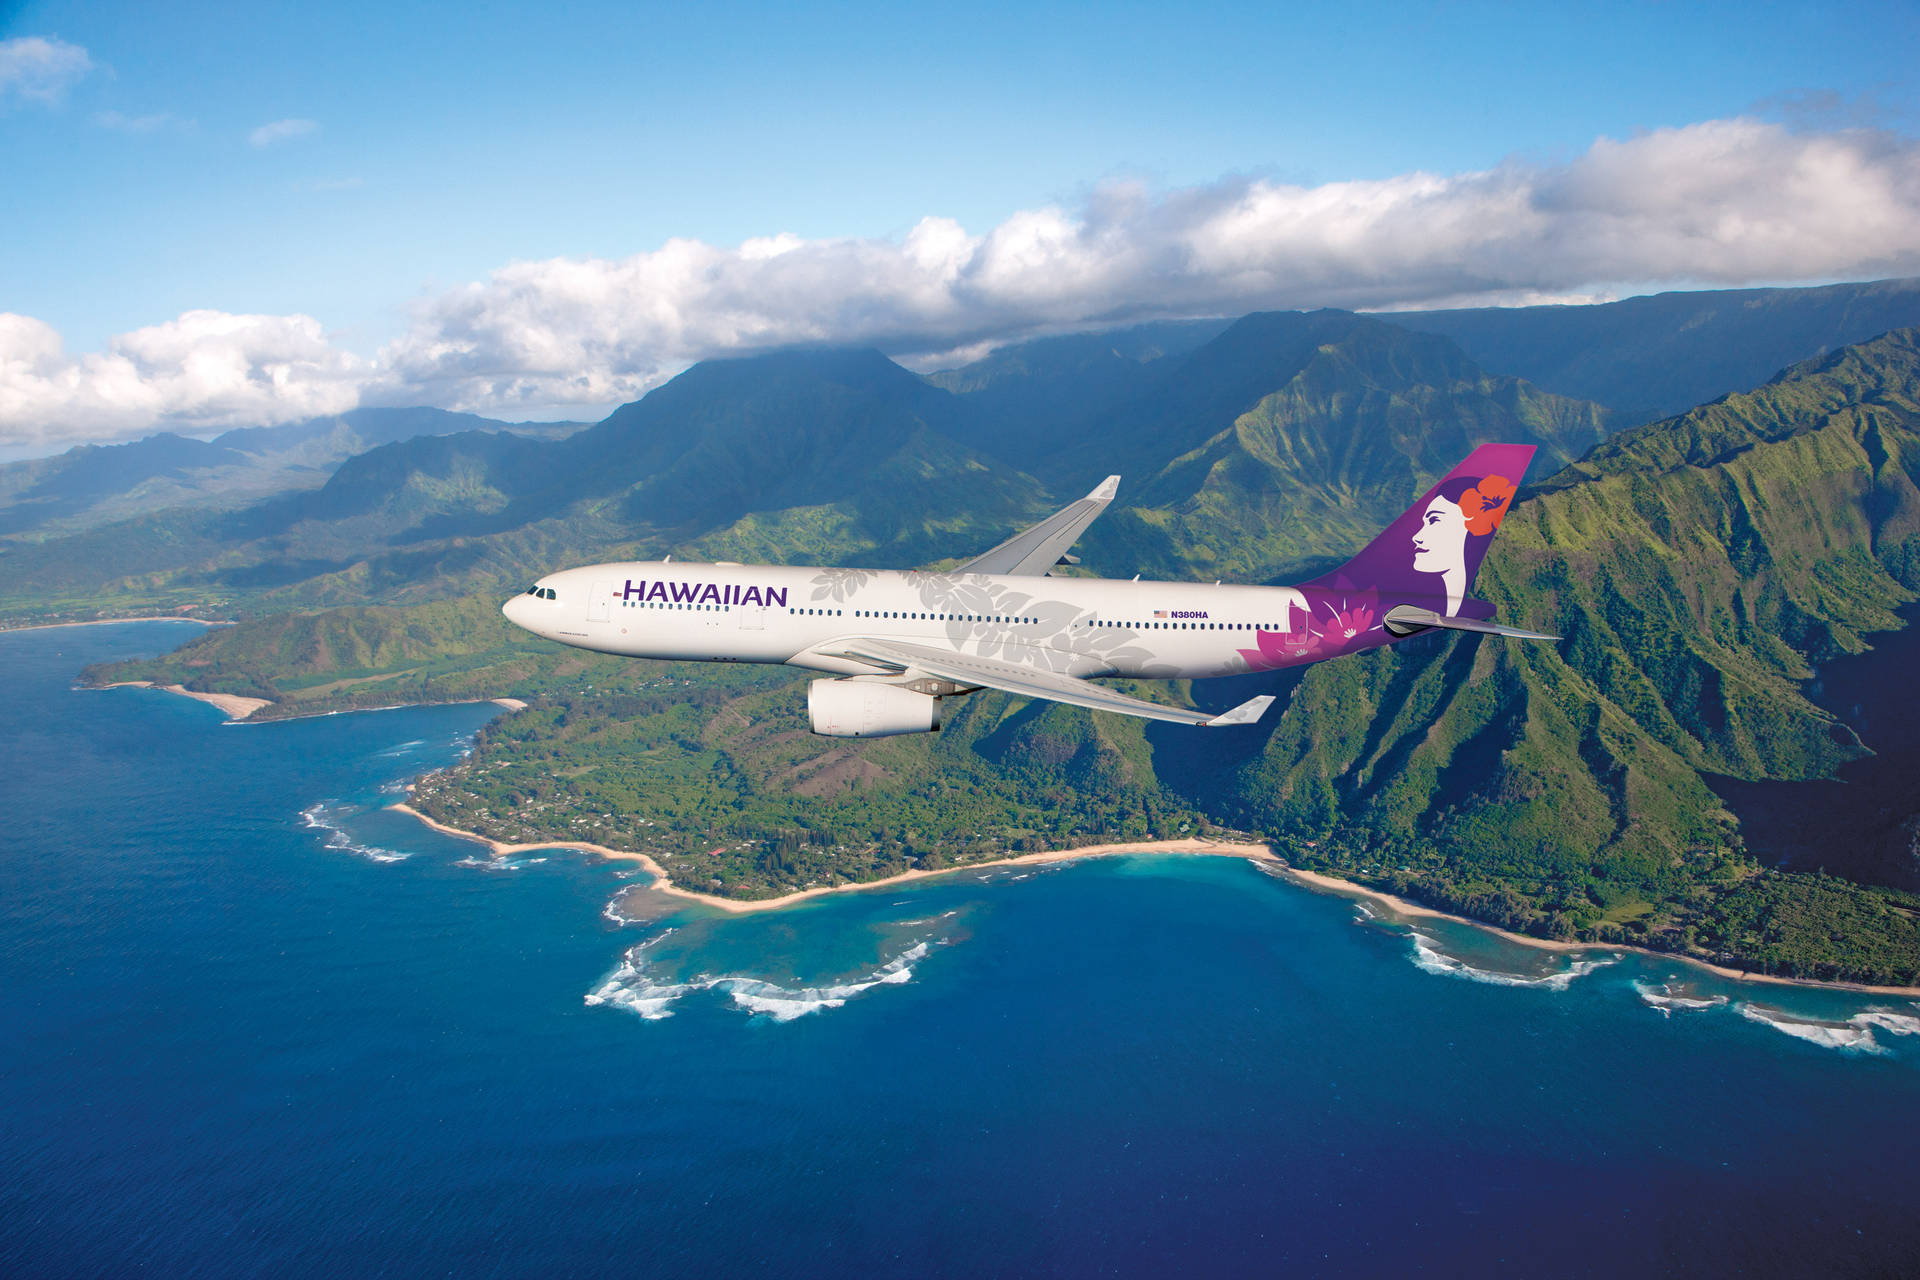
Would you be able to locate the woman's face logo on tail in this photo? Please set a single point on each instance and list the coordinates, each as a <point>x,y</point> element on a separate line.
<point>1440,543</point>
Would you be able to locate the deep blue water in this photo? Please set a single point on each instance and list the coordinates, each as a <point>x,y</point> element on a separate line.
<point>239,1040</point>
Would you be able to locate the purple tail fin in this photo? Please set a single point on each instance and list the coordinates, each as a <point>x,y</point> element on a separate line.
<point>1430,554</point>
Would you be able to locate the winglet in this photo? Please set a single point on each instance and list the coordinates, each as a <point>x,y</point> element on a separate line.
<point>1248,712</point>
<point>1032,552</point>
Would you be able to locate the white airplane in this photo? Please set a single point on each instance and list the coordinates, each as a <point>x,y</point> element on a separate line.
<point>898,643</point>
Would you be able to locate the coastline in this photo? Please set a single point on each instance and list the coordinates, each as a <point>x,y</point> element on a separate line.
<point>746,906</point>
<point>1257,853</point>
<point>110,622</point>
<point>1403,907</point>
<point>239,707</point>
<point>236,707</point>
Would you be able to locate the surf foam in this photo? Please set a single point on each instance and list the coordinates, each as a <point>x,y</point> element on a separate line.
<point>1429,958</point>
<point>1663,999</point>
<point>632,988</point>
<point>315,818</point>
<point>1900,1024</point>
<point>1852,1036</point>
<point>613,914</point>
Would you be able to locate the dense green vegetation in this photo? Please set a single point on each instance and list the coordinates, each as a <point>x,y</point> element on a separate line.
<point>727,787</point>
<point>1365,416</point>
<point>1700,569</point>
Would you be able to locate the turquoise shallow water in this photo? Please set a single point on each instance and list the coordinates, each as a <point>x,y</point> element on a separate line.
<point>252,1023</point>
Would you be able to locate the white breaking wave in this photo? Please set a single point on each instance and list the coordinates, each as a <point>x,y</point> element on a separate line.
<point>784,1005</point>
<point>612,912</point>
<point>498,864</point>
<point>1900,1024</point>
<point>1851,1036</point>
<point>630,987</point>
<point>314,816</point>
<point>1663,999</point>
<point>1427,957</point>
<point>626,988</point>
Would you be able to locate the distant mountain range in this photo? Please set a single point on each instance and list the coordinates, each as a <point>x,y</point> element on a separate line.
<point>97,484</point>
<point>1654,356</point>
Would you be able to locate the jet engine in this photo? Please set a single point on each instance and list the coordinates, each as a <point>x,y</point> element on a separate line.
<point>868,709</point>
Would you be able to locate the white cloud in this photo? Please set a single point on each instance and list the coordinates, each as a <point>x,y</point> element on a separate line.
<point>1723,203</point>
<point>37,69</point>
<point>205,370</point>
<point>281,131</point>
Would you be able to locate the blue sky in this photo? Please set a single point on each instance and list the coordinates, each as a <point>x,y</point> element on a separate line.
<point>445,142</point>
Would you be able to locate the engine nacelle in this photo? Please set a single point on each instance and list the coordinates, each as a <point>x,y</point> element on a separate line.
<point>867,709</point>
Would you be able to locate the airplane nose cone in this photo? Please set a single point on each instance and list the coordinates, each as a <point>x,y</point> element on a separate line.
<point>516,608</point>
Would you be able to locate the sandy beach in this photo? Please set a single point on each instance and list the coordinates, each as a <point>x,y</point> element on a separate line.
<point>236,707</point>
<point>739,906</point>
<point>1395,906</point>
<point>1412,910</point>
<point>242,708</point>
<point>109,622</point>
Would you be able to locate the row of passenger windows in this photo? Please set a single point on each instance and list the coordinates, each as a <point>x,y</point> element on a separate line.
<point>546,593</point>
<point>1027,622</point>
<point>1182,626</point>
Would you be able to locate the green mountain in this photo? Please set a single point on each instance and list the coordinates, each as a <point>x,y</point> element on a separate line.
<point>92,485</point>
<point>1653,356</point>
<point>837,455</point>
<point>1367,417</point>
<point>830,455</point>
<point>1029,393</point>
<point>1643,358</point>
<point>1700,569</point>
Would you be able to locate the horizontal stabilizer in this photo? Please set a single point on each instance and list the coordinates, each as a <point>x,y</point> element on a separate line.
<point>1405,619</point>
<point>1248,712</point>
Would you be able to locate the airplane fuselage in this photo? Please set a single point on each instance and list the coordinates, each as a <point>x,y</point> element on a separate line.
<point>1083,627</point>
<point>903,642</point>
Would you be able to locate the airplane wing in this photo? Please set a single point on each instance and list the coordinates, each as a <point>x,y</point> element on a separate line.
<point>1029,682</point>
<point>1037,550</point>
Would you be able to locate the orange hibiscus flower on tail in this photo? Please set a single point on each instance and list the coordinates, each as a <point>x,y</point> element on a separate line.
<point>1485,505</point>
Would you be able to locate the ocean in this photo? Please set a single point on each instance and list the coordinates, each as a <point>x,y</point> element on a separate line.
<point>254,1023</point>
